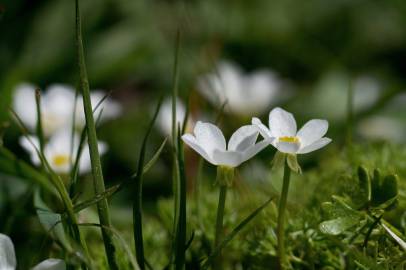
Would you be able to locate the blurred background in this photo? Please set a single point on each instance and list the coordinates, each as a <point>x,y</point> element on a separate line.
<point>305,56</point>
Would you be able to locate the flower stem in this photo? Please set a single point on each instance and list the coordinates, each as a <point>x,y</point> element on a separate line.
<point>219,222</point>
<point>220,214</point>
<point>98,181</point>
<point>281,217</point>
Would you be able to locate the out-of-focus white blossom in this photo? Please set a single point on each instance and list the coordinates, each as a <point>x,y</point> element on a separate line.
<point>57,151</point>
<point>244,94</point>
<point>164,120</point>
<point>57,107</point>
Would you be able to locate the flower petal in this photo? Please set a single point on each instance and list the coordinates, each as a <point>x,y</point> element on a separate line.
<point>282,123</point>
<point>243,138</point>
<point>227,158</point>
<point>312,131</point>
<point>287,147</point>
<point>7,254</point>
<point>254,149</point>
<point>50,264</point>
<point>24,104</point>
<point>209,137</point>
<point>29,144</point>
<point>314,146</point>
<point>194,144</point>
<point>265,132</point>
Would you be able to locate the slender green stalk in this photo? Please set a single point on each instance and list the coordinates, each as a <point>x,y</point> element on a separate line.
<point>98,181</point>
<point>175,165</point>
<point>350,114</point>
<point>220,215</point>
<point>180,238</point>
<point>281,217</point>
<point>137,203</point>
<point>39,129</point>
<point>219,223</point>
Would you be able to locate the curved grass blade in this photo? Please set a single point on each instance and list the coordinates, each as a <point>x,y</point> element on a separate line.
<point>233,233</point>
<point>116,188</point>
<point>10,164</point>
<point>59,185</point>
<point>137,203</point>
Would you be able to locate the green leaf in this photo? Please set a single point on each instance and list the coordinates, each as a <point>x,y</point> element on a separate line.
<point>52,222</point>
<point>384,191</point>
<point>233,233</point>
<point>338,225</point>
<point>364,195</point>
<point>341,217</point>
<point>293,164</point>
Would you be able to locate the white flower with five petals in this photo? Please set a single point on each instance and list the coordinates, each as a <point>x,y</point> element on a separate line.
<point>283,135</point>
<point>209,142</point>
<point>57,151</point>
<point>8,258</point>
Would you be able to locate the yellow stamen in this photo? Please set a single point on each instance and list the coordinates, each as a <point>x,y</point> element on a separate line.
<point>60,160</point>
<point>289,139</point>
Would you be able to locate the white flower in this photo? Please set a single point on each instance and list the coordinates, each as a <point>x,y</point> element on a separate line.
<point>244,94</point>
<point>8,258</point>
<point>57,105</point>
<point>57,151</point>
<point>209,142</point>
<point>164,120</point>
<point>283,133</point>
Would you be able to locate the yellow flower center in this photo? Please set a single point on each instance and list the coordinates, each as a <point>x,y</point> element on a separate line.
<point>60,160</point>
<point>289,139</point>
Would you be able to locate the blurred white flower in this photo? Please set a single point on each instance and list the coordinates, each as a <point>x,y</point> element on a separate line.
<point>57,106</point>
<point>244,93</point>
<point>283,135</point>
<point>209,142</point>
<point>382,128</point>
<point>8,258</point>
<point>164,120</point>
<point>57,151</point>
<point>366,92</point>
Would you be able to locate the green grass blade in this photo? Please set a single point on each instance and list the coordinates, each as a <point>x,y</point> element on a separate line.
<point>10,164</point>
<point>59,185</point>
<point>232,234</point>
<point>137,203</point>
<point>175,172</point>
<point>116,188</point>
<point>98,181</point>
<point>180,237</point>
<point>40,132</point>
